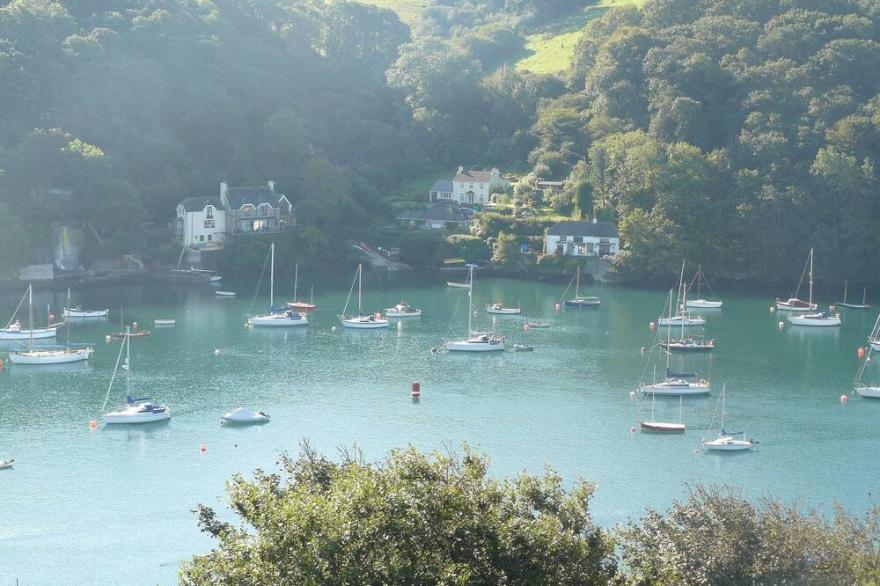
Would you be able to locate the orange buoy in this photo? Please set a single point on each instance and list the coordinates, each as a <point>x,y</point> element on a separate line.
<point>861,353</point>
<point>844,399</point>
<point>416,390</point>
<point>93,425</point>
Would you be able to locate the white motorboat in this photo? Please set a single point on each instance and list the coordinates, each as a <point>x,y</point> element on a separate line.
<point>135,410</point>
<point>700,302</point>
<point>537,325</point>
<point>795,304</point>
<point>164,322</point>
<point>654,426</point>
<point>360,321</point>
<point>455,285</point>
<point>683,320</point>
<point>6,464</point>
<point>727,441</point>
<point>50,355</point>
<point>475,342</point>
<point>688,345</point>
<point>872,390</point>
<point>403,310</point>
<point>580,301</point>
<point>224,293</point>
<point>80,313</point>
<point>242,416</point>
<point>817,319</point>
<point>499,309</point>
<point>277,317</point>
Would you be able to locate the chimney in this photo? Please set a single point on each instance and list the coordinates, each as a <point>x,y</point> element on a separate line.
<point>595,220</point>
<point>272,186</point>
<point>495,172</point>
<point>223,201</point>
<point>460,169</point>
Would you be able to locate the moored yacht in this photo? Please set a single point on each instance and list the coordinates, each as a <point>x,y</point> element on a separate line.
<point>475,342</point>
<point>360,321</point>
<point>136,409</point>
<point>277,317</point>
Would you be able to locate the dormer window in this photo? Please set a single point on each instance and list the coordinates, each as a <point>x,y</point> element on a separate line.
<point>209,212</point>
<point>264,209</point>
<point>247,209</point>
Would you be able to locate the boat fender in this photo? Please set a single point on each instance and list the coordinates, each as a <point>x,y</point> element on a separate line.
<point>652,326</point>
<point>416,390</point>
<point>632,429</point>
<point>134,325</point>
<point>844,399</point>
<point>643,350</point>
<point>781,325</point>
<point>216,351</point>
<point>632,394</point>
<point>772,309</point>
<point>107,338</point>
<point>558,307</point>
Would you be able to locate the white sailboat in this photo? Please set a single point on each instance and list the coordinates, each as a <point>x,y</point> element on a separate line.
<point>682,317</point>
<point>813,318</point>
<point>296,304</point>
<point>475,342</point>
<point>727,441</point>
<point>654,426</point>
<point>360,321</point>
<point>276,317</point>
<point>869,391</point>
<point>679,384</point>
<point>136,410</point>
<point>34,355</point>
<point>78,312</point>
<point>863,305</point>
<point>700,302</point>
<point>794,304</point>
<point>580,301</point>
<point>14,331</point>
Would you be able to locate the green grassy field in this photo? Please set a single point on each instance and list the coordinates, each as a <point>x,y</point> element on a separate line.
<point>550,50</point>
<point>409,11</point>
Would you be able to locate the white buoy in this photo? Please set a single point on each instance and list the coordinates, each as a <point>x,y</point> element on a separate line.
<point>632,394</point>
<point>216,351</point>
<point>333,329</point>
<point>108,337</point>
<point>781,324</point>
<point>772,309</point>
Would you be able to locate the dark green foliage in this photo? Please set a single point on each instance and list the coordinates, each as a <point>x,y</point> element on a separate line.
<point>470,248</point>
<point>412,519</point>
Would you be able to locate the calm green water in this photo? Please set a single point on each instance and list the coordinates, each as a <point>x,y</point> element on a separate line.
<point>113,505</point>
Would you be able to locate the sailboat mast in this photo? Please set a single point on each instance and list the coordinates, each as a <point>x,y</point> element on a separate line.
<point>127,362</point>
<point>31,316</point>
<point>470,302</point>
<point>668,333</point>
<point>272,278</point>
<point>577,287</point>
<point>845,287</point>
<point>295,280</point>
<point>811,278</point>
<point>360,282</point>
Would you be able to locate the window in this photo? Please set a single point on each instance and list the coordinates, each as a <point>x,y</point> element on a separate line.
<point>472,186</point>
<point>209,223</point>
<point>264,209</point>
<point>209,212</point>
<point>578,238</point>
<point>201,238</point>
<point>590,247</point>
<point>209,238</point>
<point>247,210</point>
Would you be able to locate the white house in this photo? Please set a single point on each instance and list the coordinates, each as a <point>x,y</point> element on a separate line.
<point>582,239</point>
<point>201,221</point>
<point>475,187</point>
<point>256,209</point>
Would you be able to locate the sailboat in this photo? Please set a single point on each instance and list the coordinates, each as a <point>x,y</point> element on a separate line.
<point>35,355</point>
<point>863,305</point>
<point>459,285</point>
<point>794,303</point>
<point>682,317</point>
<point>79,313</point>
<point>815,319</point>
<point>14,331</point>
<point>727,441</point>
<point>580,301</point>
<point>870,391</point>
<point>360,321</point>
<point>125,332</point>
<point>276,317</point>
<point>655,426</point>
<point>296,304</point>
<point>475,342</point>
<point>700,302</point>
<point>675,383</point>
<point>136,410</point>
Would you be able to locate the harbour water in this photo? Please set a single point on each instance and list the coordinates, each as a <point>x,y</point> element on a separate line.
<point>114,505</point>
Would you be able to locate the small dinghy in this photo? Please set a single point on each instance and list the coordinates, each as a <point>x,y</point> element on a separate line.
<point>456,285</point>
<point>499,309</point>
<point>523,348</point>
<point>242,416</point>
<point>4,464</point>
<point>538,325</point>
<point>164,322</point>
<point>224,293</point>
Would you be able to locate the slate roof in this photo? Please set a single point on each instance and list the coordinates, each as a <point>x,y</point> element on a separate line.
<point>595,230</point>
<point>197,204</point>
<point>475,176</point>
<point>437,213</point>
<point>442,185</point>
<point>238,196</point>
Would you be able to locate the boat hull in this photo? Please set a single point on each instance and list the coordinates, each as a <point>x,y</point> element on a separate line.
<point>457,285</point>
<point>875,344</point>
<point>727,444</point>
<point>675,390</point>
<point>583,303</point>
<point>662,427</point>
<point>302,307</point>
<point>703,304</point>
<point>242,416</point>
<point>164,322</point>
<point>504,311</point>
<point>467,346</point>
<point>816,322</point>
<point>695,349</point>
<point>133,336</point>
<point>869,392</point>
<point>125,418</point>
<point>691,322</point>
<point>50,356</point>
<point>8,334</point>
<point>364,324</point>
<point>400,314</point>
<point>80,314</point>
<point>799,306</point>
<point>277,321</point>
<point>224,293</point>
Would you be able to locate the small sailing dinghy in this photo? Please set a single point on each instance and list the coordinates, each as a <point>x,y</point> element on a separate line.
<point>794,304</point>
<point>296,304</point>
<point>475,342</point>
<point>360,321</point>
<point>126,332</point>
<point>6,464</point>
<point>580,301</point>
<point>242,416</point>
<point>814,318</point>
<point>79,313</point>
<point>700,302</point>
<point>14,331</point>
<point>34,355</point>
<point>869,391</point>
<point>727,441</point>
<point>682,317</point>
<point>219,293</point>
<point>403,309</point>
<point>863,305</point>
<point>135,410</point>
<point>499,309</point>
<point>277,317</point>
<point>654,426</point>
<point>164,322</point>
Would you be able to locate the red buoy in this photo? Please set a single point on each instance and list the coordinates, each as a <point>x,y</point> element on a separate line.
<point>416,390</point>
<point>558,307</point>
<point>93,425</point>
<point>844,399</point>
<point>861,352</point>
<point>203,448</point>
